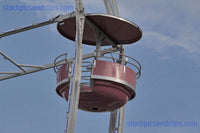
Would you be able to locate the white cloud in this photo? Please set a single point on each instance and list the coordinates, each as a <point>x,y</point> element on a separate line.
<point>160,41</point>
<point>166,23</point>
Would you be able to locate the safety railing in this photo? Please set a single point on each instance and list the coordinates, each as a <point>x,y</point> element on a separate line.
<point>86,82</point>
<point>125,60</point>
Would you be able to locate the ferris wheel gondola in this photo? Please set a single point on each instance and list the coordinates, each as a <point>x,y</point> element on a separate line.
<point>102,84</point>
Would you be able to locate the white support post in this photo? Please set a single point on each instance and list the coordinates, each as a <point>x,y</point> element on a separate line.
<point>121,119</point>
<point>98,37</point>
<point>111,7</point>
<point>108,6</point>
<point>115,9</point>
<point>113,120</point>
<point>74,92</point>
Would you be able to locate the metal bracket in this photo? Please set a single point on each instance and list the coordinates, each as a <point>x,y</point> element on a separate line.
<point>95,27</point>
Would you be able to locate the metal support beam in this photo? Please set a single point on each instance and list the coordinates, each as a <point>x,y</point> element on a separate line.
<point>108,6</point>
<point>121,56</point>
<point>115,9</point>
<point>98,37</point>
<point>98,50</point>
<point>58,18</point>
<point>9,75</point>
<point>112,9</point>
<point>95,27</point>
<point>74,90</point>
<point>121,119</point>
<point>113,120</point>
<point>7,58</point>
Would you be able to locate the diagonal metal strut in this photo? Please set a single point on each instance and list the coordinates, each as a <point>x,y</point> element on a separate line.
<point>7,58</point>
<point>95,27</point>
<point>58,18</point>
<point>8,75</point>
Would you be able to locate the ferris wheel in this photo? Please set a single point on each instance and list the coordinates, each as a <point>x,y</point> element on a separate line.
<point>96,81</point>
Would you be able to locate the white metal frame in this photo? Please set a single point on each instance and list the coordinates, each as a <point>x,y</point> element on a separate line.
<point>75,78</point>
<point>111,7</point>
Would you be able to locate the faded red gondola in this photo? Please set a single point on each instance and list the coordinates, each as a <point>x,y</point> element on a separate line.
<point>113,85</point>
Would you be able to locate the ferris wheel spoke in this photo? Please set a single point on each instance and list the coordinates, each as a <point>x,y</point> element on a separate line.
<point>56,19</point>
<point>73,98</point>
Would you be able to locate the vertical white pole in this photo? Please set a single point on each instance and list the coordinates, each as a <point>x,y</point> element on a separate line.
<point>113,120</point>
<point>112,9</point>
<point>98,45</point>
<point>74,92</point>
<point>121,119</point>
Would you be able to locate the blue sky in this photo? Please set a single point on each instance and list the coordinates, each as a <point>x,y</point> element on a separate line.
<point>169,52</point>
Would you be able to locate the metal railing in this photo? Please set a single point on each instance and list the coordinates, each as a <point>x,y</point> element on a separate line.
<point>58,60</point>
<point>86,82</point>
<point>126,60</point>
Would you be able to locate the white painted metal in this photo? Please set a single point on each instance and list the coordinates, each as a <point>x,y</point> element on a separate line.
<point>108,6</point>
<point>8,75</point>
<point>74,92</point>
<point>113,120</point>
<point>111,7</point>
<point>115,9</point>
<point>121,119</point>
<point>7,58</point>
<point>98,36</point>
<point>101,32</point>
<point>58,18</point>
